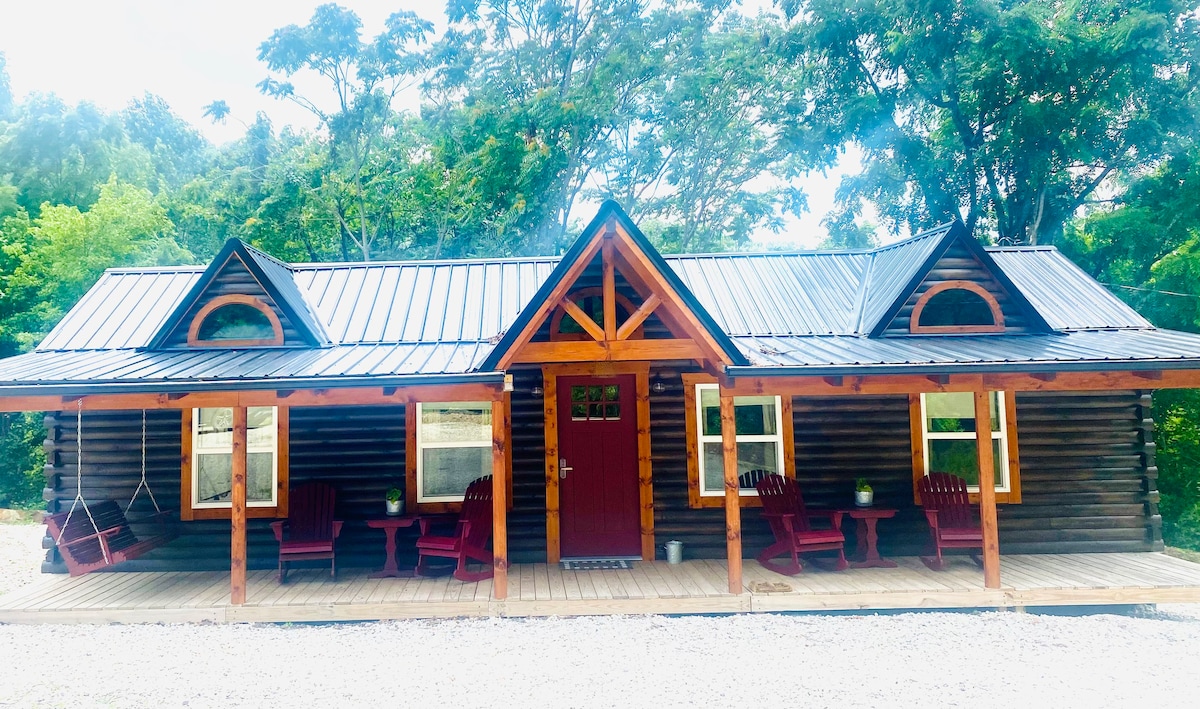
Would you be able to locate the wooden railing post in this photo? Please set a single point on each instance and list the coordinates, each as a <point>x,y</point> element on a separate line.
<point>987,489</point>
<point>500,444</point>
<point>237,512</point>
<point>733,507</point>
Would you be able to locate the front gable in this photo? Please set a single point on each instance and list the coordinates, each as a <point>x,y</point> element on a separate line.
<point>959,266</point>
<point>242,277</point>
<point>612,298</point>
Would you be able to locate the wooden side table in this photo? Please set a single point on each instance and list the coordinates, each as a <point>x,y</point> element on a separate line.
<point>867,554</point>
<point>389,525</point>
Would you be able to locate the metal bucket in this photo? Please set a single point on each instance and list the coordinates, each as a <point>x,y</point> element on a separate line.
<point>674,552</point>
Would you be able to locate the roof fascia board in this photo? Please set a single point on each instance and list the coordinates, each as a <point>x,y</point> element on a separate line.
<point>849,370</point>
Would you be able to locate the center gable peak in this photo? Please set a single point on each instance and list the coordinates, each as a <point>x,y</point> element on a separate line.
<point>612,298</point>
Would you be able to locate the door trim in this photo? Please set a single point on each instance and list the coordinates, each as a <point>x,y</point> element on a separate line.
<point>550,375</point>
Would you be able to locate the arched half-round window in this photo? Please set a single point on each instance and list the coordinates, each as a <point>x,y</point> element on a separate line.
<point>235,321</point>
<point>956,307</point>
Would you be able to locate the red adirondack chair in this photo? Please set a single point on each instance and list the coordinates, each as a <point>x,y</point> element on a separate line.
<point>953,520</point>
<point>310,530</point>
<point>791,523</point>
<point>84,549</point>
<point>469,539</point>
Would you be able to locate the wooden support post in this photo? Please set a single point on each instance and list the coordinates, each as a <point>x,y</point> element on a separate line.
<point>237,513</point>
<point>499,503</point>
<point>733,507</point>
<point>987,490</point>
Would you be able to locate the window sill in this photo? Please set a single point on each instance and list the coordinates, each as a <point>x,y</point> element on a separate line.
<point>719,501</point>
<point>188,515</point>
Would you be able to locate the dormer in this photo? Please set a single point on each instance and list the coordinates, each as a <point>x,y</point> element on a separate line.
<point>957,289</point>
<point>245,298</point>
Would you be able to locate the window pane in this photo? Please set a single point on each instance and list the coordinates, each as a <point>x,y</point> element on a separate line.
<point>714,474</point>
<point>446,472</point>
<point>612,412</point>
<point>754,415</point>
<point>235,321</point>
<point>595,393</point>
<point>456,423</point>
<point>612,392</point>
<point>260,476</point>
<point>956,306</point>
<point>710,411</point>
<point>214,429</point>
<point>578,393</point>
<point>260,422</point>
<point>213,477</point>
<point>958,458</point>
<point>759,455</point>
<point>955,413</point>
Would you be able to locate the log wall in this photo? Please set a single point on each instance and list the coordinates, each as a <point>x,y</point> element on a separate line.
<point>1087,466</point>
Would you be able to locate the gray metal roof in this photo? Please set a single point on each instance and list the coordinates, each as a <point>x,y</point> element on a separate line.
<point>1098,349</point>
<point>807,311</point>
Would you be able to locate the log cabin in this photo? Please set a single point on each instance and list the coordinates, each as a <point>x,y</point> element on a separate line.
<point>614,394</point>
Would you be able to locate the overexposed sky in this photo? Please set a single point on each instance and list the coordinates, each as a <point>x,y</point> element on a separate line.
<point>192,52</point>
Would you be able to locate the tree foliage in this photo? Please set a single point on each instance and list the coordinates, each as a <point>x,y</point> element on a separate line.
<point>1008,116</point>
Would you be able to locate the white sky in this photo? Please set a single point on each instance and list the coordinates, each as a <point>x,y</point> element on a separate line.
<point>193,52</point>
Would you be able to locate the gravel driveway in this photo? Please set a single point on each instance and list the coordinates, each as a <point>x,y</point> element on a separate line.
<point>901,660</point>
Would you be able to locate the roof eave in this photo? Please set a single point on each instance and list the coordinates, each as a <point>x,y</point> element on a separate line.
<point>1011,367</point>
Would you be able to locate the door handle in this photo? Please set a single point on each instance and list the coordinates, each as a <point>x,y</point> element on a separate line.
<point>563,468</point>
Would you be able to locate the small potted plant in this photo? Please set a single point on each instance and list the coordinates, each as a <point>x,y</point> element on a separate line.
<point>863,494</point>
<point>395,501</point>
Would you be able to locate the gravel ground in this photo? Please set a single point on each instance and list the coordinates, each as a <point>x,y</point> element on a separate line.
<point>899,660</point>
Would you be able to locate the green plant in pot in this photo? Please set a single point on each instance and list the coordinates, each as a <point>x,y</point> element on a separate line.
<point>395,501</point>
<point>864,495</point>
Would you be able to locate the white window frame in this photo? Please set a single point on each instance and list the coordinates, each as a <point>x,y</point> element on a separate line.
<point>777,438</point>
<point>422,445</point>
<point>1001,436</point>
<point>273,449</point>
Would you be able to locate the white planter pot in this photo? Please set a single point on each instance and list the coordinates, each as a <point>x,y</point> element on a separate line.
<point>394,509</point>
<point>864,498</point>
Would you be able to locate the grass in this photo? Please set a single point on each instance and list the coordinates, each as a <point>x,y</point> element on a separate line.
<point>1185,554</point>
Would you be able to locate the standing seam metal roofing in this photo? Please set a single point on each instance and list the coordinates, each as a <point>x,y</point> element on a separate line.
<point>800,312</point>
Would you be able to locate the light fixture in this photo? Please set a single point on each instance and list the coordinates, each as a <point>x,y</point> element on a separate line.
<point>657,386</point>
<point>536,390</point>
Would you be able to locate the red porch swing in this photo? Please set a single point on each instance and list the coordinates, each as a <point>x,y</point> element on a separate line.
<point>102,537</point>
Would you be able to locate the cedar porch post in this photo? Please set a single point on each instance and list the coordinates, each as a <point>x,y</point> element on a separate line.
<point>499,503</point>
<point>733,507</point>
<point>237,512</point>
<point>987,489</point>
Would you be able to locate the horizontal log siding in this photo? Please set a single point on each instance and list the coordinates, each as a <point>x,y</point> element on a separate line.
<point>1088,481</point>
<point>702,531</point>
<point>1088,475</point>
<point>359,450</point>
<point>527,518</point>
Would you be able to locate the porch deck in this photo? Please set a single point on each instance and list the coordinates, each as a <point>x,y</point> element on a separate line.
<point>696,586</point>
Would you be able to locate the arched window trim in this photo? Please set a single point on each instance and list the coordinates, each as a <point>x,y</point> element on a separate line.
<point>556,334</point>
<point>193,338</point>
<point>914,320</point>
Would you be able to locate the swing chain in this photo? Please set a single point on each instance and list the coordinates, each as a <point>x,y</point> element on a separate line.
<point>143,483</point>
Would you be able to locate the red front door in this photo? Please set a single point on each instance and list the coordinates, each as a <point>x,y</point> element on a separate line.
<point>598,475</point>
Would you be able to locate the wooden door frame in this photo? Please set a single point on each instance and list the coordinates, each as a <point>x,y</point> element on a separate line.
<point>550,375</point>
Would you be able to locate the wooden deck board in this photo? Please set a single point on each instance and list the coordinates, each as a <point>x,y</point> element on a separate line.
<point>696,586</point>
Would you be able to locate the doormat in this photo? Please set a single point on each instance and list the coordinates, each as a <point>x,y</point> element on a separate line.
<point>595,564</point>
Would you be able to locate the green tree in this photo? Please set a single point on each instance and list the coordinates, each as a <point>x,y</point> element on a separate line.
<point>6,97</point>
<point>60,154</point>
<point>364,77</point>
<point>177,150</point>
<point>1008,115</point>
<point>64,251</point>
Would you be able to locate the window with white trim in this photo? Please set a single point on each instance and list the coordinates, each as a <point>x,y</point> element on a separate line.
<point>454,447</point>
<point>948,429</point>
<point>212,457</point>
<point>758,421</point>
